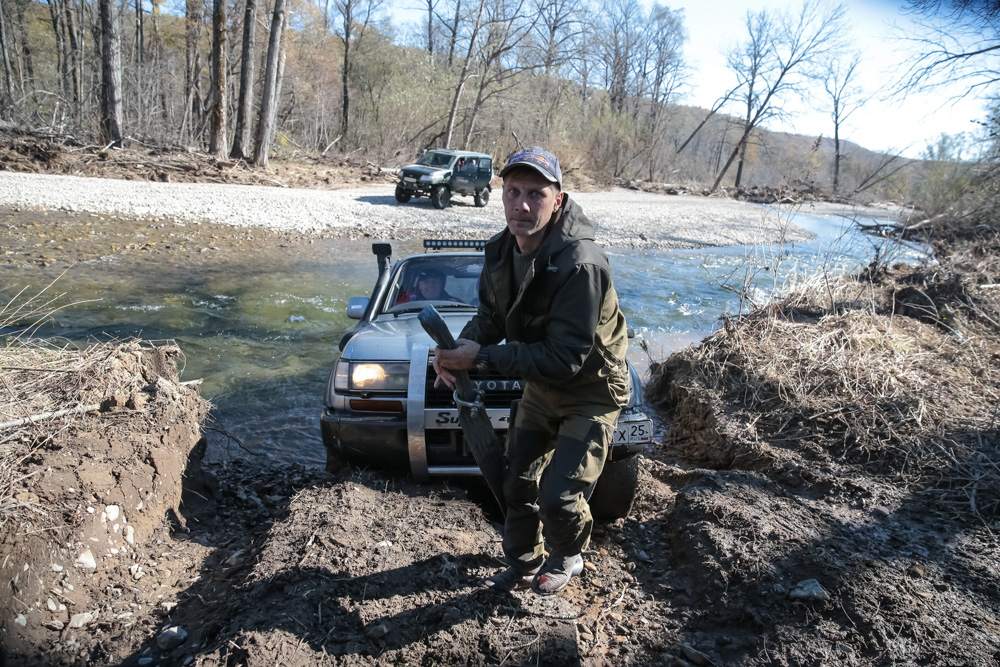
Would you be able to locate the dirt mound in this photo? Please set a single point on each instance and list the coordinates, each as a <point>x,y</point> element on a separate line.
<point>849,509</point>
<point>89,497</point>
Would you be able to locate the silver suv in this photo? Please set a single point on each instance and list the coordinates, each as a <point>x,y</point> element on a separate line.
<point>381,404</point>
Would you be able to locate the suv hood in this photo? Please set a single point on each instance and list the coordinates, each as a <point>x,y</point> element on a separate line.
<point>391,338</point>
<point>419,170</point>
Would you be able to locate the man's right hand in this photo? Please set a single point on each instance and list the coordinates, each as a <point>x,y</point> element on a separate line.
<point>461,358</point>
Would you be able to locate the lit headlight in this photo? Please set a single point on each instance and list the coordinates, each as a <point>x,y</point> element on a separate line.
<point>371,376</point>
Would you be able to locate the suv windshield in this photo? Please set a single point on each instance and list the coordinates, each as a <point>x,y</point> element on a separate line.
<point>444,280</point>
<point>432,159</point>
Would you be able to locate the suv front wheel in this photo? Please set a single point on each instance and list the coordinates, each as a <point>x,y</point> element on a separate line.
<point>482,197</point>
<point>402,196</point>
<point>440,196</point>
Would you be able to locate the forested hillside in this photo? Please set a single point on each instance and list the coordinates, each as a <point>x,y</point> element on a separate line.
<point>600,82</point>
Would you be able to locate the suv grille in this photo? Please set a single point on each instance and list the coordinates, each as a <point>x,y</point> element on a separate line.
<point>499,391</point>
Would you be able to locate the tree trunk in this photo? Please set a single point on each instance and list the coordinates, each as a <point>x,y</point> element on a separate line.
<point>8,101</point>
<point>217,133</point>
<point>111,75</point>
<point>244,108</point>
<point>140,50</point>
<point>192,77</point>
<point>29,67</point>
<point>454,33</point>
<point>739,167</point>
<point>74,61</point>
<point>836,158</point>
<point>430,30</point>
<point>265,120</point>
<point>345,75</point>
<point>61,68</point>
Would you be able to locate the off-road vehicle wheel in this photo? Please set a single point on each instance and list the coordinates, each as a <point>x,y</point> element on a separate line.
<point>616,489</point>
<point>440,196</point>
<point>402,196</point>
<point>482,197</point>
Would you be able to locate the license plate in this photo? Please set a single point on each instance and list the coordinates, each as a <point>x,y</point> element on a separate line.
<point>410,180</point>
<point>629,432</point>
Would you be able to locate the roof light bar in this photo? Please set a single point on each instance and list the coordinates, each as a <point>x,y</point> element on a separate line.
<point>441,244</point>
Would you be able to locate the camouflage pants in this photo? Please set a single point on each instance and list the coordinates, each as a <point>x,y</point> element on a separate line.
<point>555,452</point>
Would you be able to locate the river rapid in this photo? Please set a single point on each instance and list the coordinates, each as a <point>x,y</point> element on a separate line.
<point>258,313</point>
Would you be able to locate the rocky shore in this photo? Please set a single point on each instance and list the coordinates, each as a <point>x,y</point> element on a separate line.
<point>623,218</point>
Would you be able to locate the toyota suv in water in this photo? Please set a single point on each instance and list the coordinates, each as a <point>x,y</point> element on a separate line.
<point>382,407</point>
<point>441,173</point>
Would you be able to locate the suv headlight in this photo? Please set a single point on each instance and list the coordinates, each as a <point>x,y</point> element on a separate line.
<point>372,376</point>
<point>636,399</point>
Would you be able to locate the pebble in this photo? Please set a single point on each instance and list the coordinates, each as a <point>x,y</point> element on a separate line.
<point>809,590</point>
<point>145,661</point>
<point>171,638</point>
<point>113,511</point>
<point>81,620</point>
<point>590,566</point>
<point>86,560</point>
<point>695,656</point>
<point>377,631</point>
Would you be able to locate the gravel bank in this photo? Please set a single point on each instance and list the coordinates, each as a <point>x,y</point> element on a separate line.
<point>624,218</point>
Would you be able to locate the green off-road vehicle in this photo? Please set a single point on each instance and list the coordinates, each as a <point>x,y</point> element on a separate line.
<point>440,173</point>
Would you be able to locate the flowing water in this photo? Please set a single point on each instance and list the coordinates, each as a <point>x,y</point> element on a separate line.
<point>262,328</point>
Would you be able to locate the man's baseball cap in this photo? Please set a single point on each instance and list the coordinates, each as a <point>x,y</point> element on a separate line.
<point>539,159</point>
<point>430,273</point>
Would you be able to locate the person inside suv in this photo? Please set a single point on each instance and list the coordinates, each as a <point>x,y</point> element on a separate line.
<point>429,286</point>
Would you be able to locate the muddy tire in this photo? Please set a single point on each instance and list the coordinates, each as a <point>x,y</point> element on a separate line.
<point>440,196</point>
<point>482,197</point>
<point>402,196</point>
<point>616,489</point>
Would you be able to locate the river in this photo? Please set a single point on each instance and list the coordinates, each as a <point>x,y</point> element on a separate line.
<point>258,317</point>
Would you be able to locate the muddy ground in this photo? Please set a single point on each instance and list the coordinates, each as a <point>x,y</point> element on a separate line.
<point>846,518</point>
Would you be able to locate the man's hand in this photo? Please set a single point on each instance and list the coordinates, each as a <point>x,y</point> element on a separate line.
<point>462,358</point>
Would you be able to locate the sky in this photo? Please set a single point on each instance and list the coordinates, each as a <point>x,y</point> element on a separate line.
<point>906,126</point>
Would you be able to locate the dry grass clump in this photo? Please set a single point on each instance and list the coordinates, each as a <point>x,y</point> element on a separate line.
<point>833,374</point>
<point>48,385</point>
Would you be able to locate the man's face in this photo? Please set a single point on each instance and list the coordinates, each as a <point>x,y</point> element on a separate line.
<point>529,201</point>
<point>431,287</point>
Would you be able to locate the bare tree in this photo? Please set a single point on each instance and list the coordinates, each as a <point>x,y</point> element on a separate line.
<point>619,35</point>
<point>244,105</point>
<point>268,101</point>
<point>555,25</point>
<point>845,97</point>
<point>217,132</point>
<point>355,16</point>
<point>192,73</point>
<point>22,31</point>
<point>463,75</point>
<point>505,28</point>
<point>111,75</point>
<point>956,40</point>
<point>778,52</point>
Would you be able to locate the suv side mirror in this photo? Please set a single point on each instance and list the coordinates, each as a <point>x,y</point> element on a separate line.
<point>356,306</point>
